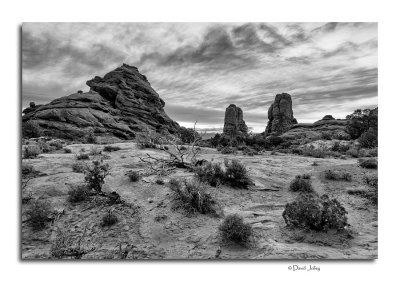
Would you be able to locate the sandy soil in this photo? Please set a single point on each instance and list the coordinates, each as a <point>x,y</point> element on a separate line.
<point>149,229</point>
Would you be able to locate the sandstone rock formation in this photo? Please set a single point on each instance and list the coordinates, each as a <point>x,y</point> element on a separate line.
<point>119,104</point>
<point>328,117</point>
<point>234,124</point>
<point>280,115</point>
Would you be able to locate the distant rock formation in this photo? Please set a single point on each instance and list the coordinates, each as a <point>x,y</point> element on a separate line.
<point>119,104</point>
<point>234,123</point>
<point>328,117</point>
<point>280,115</point>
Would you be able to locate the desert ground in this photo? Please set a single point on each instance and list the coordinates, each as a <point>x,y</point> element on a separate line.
<point>148,228</point>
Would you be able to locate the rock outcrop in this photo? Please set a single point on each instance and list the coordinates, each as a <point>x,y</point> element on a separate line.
<point>328,117</point>
<point>119,104</point>
<point>280,115</point>
<point>234,124</point>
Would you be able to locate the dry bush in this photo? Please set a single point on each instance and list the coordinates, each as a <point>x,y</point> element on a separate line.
<point>210,173</point>
<point>95,175</point>
<point>90,137</point>
<point>109,219</point>
<point>56,144</point>
<point>79,167</point>
<point>314,152</point>
<point>67,150</point>
<point>192,197</point>
<point>369,139</point>
<point>159,181</point>
<point>310,211</point>
<point>228,150</point>
<point>94,151</point>
<point>236,174</point>
<point>353,152</point>
<point>302,184</point>
<point>31,151</point>
<point>234,229</point>
<point>38,214</point>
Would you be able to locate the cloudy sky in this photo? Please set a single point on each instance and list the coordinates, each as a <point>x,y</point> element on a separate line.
<point>201,68</point>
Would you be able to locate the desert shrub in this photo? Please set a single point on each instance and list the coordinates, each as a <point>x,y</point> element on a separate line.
<point>210,173</point>
<point>297,151</point>
<point>302,184</point>
<point>38,214</point>
<point>371,163</point>
<point>31,151</point>
<point>314,152</point>
<point>333,175</point>
<point>95,175</point>
<point>192,197</point>
<point>314,164</point>
<point>45,147</point>
<point>236,174</point>
<point>78,194</point>
<point>56,144</point>
<point>233,228</point>
<point>110,148</point>
<point>90,137</point>
<point>94,151</point>
<point>82,156</point>
<point>133,176</point>
<point>159,181</point>
<point>67,150</point>
<point>78,167</point>
<point>369,139</point>
<point>317,213</point>
<point>250,151</point>
<point>69,245</point>
<point>228,150</point>
<point>109,219</point>
<point>31,129</point>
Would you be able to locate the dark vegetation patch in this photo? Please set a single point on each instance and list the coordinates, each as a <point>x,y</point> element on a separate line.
<point>301,183</point>
<point>234,229</point>
<point>311,211</point>
<point>334,175</point>
<point>111,148</point>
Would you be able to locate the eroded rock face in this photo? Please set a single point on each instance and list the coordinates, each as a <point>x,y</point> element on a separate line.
<point>280,115</point>
<point>119,104</point>
<point>234,123</point>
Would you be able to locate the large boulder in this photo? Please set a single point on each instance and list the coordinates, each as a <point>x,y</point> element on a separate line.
<point>280,115</point>
<point>234,124</point>
<point>119,105</point>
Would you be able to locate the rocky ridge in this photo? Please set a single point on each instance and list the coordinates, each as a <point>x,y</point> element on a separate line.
<point>120,104</point>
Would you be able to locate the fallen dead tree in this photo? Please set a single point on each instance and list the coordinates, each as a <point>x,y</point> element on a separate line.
<point>176,155</point>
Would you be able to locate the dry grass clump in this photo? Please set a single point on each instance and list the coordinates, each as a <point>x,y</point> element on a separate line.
<point>310,211</point>
<point>234,229</point>
<point>301,184</point>
<point>94,151</point>
<point>192,197</point>
<point>109,219</point>
<point>133,176</point>
<point>210,173</point>
<point>333,175</point>
<point>38,214</point>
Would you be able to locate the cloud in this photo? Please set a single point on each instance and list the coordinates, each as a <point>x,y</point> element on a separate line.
<point>201,68</point>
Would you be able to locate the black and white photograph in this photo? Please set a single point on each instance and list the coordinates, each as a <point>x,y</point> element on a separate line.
<point>252,140</point>
<point>199,140</point>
